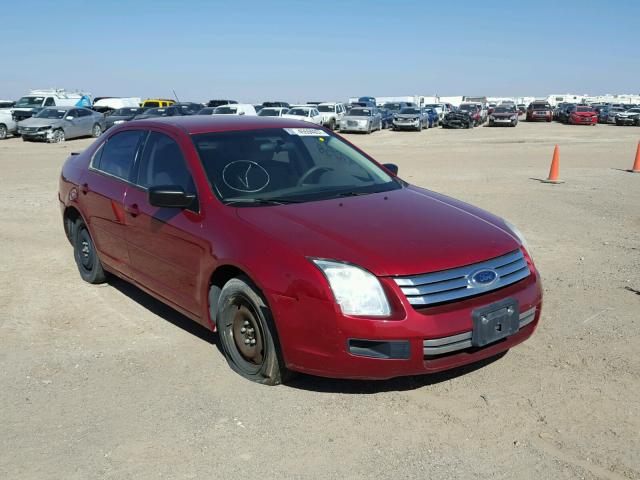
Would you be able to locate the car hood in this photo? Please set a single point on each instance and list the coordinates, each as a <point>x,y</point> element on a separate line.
<point>407,115</point>
<point>503,114</point>
<point>40,122</point>
<point>401,232</point>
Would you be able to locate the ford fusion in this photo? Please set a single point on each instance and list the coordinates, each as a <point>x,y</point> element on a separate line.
<point>299,249</point>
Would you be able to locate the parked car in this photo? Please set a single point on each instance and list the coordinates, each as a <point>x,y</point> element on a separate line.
<point>8,125</point>
<point>522,108</point>
<point>539,111</point>
<point>272,111</point>
<point>555,113</point>
<point>411,118</point>
<point>307,114</point>
<point>395,107</point>
<point>57,124</point>
<point>474,111</point>
<point>458,119</point>
<point>386,117</point>
<point>106,105</point>
<point>504,115</point>
<point>368,100</point>
<point>36,100</point>
<point>122,115</point>
<point>361,119</point>
<point>219,103</point>
<point>157,102</point>
<point>565,112</point>
<point>331,114</point>
<point>609,115</point>
<point>441,108</point>
<point>236,109</point>
<point>189,108</point>
<point>300,250</point>
<point>582,115</point>
<point>7,103</point>
<point>432,117</point>
<point>276,104</point>
<point>628,117</point>
<point>159,112</point>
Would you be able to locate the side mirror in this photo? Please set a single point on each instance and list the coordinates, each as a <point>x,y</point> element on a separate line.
<point>169,196</point>
<point>392,167</point>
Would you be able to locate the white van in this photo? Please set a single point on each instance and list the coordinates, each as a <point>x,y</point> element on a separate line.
<point>235,109</point>
<point>35,100</point>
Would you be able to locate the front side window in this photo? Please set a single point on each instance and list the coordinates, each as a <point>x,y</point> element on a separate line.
<point>49,102</point>
<point>287,165</point>
<point>151,104</point>
<point>162,163</point>
<point>51,113</point>
<point>30,102</point>
<point>118,154</point>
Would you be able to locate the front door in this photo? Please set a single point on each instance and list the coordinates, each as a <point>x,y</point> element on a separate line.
<point>165,244</point>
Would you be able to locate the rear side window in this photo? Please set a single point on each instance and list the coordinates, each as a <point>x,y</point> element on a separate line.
<point>49,102</point>
<point>83,112</point>
<point>119,153</point>
<point>162,163</point>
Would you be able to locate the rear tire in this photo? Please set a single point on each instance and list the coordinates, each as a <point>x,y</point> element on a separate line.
<point>86,255</point>
<point>247,333</point>
<point>96,131</point>
<point>3,131</point>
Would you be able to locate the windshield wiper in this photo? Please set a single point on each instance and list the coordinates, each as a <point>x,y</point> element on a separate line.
<point>352,194</point>
<point>261,201</point>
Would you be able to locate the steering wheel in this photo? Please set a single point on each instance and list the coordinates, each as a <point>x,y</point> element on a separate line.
<point>312,171</point>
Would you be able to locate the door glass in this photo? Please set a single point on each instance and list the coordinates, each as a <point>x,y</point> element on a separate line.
<point>162,163</point>
<point>49,102</point>
<point>119,153</point>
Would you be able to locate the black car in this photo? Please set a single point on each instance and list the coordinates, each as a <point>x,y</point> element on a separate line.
<point>122,115</point>
<point>189,108</point>
<point>395,107</point>
<point>276,105</point>
<point>218,103</point>
<point>565,112</point>
<point>457,119</point>
<point>387,117</point>
<point>160,112</point>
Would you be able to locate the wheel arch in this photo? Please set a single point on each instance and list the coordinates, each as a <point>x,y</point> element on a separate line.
<point>219,277</point>
<point>69,217</point>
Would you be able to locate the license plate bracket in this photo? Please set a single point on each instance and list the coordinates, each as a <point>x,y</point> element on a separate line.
<point>495,322</point>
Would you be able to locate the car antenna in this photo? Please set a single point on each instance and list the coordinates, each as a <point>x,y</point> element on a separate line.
<point>174,94</point>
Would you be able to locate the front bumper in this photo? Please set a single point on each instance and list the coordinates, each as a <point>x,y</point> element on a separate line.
<point>583,120</point>
<point>318,339</point>
<point>627,121</point>
<point>35,135</point>
<point>345,127</point>
<point>502,121</point>
<point>408,125</point>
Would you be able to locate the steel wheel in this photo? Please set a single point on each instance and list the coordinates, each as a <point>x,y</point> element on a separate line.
<point>86,255</point>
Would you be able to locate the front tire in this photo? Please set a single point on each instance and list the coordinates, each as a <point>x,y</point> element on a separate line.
<point>86,255</point>
<point>3,131</point>
<point>247,333</point>
<point>58,136</point>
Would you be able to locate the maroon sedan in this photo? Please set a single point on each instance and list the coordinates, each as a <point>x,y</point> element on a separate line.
<point>303,252</point>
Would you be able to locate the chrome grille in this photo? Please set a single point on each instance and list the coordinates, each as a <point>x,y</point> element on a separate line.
<point>439,346</point>
<point>456,283</point>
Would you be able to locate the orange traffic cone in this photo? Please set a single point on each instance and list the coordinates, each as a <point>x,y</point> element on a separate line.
<point>554,171</point>
<point>636,164</point>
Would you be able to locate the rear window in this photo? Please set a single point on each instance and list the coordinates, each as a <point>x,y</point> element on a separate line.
<point>151,104</point>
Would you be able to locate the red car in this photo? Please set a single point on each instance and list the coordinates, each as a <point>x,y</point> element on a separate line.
<point>539,111</point>
<point>582,115</point>
<point>303,252</point>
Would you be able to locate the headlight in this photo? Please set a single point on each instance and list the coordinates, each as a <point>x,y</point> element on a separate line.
<point>357,291</point>
<point>48,127</point>
<point>118,122</point>
<point>519,235</point>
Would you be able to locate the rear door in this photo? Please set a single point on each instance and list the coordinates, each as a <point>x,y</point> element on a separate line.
<point>72,122</point>
<point>85,122</point>
<point>165,244</point>
<point>103,190</point>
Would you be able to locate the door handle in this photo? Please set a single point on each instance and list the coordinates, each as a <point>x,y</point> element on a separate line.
<point>132,209</point>
<point>84,188</point>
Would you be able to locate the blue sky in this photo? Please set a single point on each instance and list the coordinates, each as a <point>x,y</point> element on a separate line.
<point>303,50</point>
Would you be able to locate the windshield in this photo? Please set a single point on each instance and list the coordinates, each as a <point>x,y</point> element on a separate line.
<point>411,111</point>
<point>584,109</point>
<point>360,112</point>
<point>151,104</point>
<point>432,105</point>
<point>301,112</point>
<point>502,110</point>
<point>123,112</point>
<point>286,165</point>
<point>51,113</point>
<point>326,108</point>
<point>269,112</point>
<point>30,102</point>
<point>226,110</point>
<point>467,107</point>
<point>633,110</point>
<point>541,106</point>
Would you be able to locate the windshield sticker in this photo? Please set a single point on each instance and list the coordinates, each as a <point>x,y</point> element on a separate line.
<point>306,132</point>
<point>245,176</point>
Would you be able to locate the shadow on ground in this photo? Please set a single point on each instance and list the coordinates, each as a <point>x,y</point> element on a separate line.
<point>299,381</point>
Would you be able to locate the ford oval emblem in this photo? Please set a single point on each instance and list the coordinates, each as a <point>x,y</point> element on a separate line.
<point>484,277</point>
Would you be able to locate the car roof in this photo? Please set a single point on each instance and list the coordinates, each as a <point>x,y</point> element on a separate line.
<point>63,107</point>
<point>207,124</point>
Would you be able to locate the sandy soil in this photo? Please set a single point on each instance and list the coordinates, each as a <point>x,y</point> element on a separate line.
<point>105,382</point>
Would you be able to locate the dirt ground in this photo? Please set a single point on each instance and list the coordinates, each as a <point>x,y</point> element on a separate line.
<point>104,382</point>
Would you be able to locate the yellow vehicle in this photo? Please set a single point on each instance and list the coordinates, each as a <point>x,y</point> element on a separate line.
<point>156,102</point>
